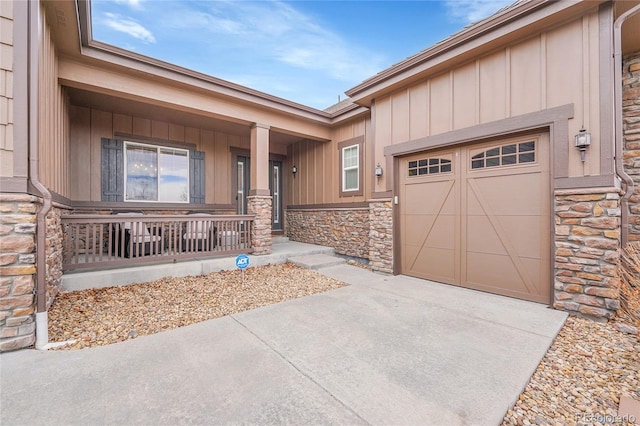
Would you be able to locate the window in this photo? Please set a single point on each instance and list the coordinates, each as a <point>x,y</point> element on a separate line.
<point>351,167</point>
<point>156,173</point>
<point>140,172</point>
<point>429,166</point>
<point>506,155</point>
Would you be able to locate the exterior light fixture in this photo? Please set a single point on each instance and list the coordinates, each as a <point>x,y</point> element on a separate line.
<point>379,170</point>
<point>294,170</point>
<point>583,140</point>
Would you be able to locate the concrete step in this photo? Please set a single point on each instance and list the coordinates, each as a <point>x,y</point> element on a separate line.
<point>277,239</point>
<point>316,261</point>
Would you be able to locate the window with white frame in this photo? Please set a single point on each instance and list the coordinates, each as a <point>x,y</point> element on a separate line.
<point>351,168</point>
<point>156,173</point>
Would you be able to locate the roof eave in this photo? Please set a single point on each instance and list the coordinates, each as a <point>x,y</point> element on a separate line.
<point>104,52</point>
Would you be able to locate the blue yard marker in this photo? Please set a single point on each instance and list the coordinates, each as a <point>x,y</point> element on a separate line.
<point>242,261</point>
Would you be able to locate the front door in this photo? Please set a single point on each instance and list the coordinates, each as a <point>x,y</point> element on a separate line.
<point>275,185</point>
<point>242,172</point>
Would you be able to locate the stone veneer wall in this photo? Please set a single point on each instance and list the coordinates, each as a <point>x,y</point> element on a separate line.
<point>362,232</point>
<point>260,206</point>
<point>17,270</point>
<point>18,266</point>
<point>631,131</point>
<point>587,239</point>
<point>55,255</point>
<point>381,236</point>
<point>346,230</point>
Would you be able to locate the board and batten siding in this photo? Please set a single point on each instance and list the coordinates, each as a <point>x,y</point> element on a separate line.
<point>553,68</point>
<point>53,117</point>
<point>318,178</point>
<point>6,89</point>
<point>89,126</point>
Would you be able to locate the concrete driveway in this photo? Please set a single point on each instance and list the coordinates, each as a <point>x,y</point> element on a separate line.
<point>385,350</point>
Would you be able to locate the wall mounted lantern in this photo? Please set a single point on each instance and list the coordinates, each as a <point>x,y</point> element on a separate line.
<point>294,170</point>
<point>583,140</point>
<point>379,170</point>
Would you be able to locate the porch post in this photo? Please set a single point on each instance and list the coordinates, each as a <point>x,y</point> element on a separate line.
<point>259,199</point>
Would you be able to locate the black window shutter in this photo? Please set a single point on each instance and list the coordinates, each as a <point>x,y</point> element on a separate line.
<point>112,170</point>
<point>196,177</point>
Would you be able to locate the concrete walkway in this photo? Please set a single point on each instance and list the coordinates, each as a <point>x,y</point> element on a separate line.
<point>384,350</point>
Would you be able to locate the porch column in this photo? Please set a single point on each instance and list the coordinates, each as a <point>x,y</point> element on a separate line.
<point>259,199</point>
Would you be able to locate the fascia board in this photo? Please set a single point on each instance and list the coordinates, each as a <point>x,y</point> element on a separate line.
<point>142,64</point>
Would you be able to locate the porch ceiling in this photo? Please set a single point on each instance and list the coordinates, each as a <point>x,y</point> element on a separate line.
<point>103,102</point>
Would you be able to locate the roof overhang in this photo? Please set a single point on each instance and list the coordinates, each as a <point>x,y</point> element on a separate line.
<point>70,22</point>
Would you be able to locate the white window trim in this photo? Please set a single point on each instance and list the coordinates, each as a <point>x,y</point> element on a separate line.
<point>356,167</point>
<point>157,148</point>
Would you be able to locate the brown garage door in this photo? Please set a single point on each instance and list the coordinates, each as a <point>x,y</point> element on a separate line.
<point>478,216</point>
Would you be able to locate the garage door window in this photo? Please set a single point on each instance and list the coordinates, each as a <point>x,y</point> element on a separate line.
<point>505,155</point>
<point>429,166</point>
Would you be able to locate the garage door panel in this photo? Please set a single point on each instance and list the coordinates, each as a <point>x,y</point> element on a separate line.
<point>497,271</point>
<point>521,232</point>
<point>481,237</point>
<point>433,264</point>
<point>488,226</point>
<point>525,235</point>
<point>441,199</point>
<point>524,195</point>
<point>430,230</point>
<point>497,275</point>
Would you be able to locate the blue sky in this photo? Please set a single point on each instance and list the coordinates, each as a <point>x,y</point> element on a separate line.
<point>308,52</point>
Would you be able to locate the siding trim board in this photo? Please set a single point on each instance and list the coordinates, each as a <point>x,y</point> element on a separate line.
<point>20,98</point>
<point>556,119</point>
<point>531,121</point>
<point>15,184</point>
<point>606,92</point>
<point>600,181</point>
<point>332,206</point>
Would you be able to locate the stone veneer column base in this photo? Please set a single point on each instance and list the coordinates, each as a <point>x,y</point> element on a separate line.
<point>17,270</point>
<point>260,206</point>
<point>587,240</point>
<point>381,236</point>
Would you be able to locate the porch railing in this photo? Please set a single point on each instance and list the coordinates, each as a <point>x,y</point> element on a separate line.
<point>94,241</point>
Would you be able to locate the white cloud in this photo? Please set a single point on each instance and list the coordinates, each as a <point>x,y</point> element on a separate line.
<point>276,31</point>
<point>474,10</point>
<point>134,4</point>
<point>129,26</point>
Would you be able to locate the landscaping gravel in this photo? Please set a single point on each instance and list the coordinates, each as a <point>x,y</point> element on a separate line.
<point>97,317</point>
<point>581,378</point>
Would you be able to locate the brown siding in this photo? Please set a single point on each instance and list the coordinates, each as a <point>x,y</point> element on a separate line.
<point>318,163</point>
<point>89,126</point>
<point>6,88</point>
<point>557,67</point>
<point>53,129</point>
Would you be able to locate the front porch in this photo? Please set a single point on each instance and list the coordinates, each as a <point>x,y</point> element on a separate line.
<point>282,251</point>
<point>94,241</point>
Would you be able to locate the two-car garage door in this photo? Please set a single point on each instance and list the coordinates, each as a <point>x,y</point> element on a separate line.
<point>478,216</point>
